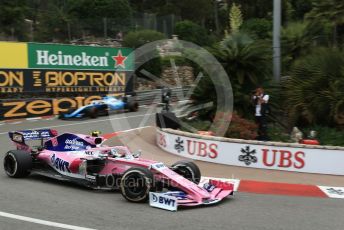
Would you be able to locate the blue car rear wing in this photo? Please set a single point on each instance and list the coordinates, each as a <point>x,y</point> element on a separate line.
<point>25,135</point>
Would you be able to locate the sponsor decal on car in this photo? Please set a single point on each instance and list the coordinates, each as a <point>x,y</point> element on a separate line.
<point>91,178</point>
<point>163,201</point>
<point>158,166</point>
<point>54,142</point>
<point>60,164</point>
<point>73,144</point>
<point>209,187</point>
<point>36,134</point>
<point>90,153</point>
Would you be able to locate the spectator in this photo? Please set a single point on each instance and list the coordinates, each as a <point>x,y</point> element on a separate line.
<point>119,36</point>
<point>261,101</point>
<point>166,97</point>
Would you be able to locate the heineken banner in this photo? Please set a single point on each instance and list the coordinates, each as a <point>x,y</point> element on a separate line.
<point>33,67</point>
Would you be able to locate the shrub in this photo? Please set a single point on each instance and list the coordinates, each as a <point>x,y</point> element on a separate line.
<point>260,27</point>
<point>136,39</point>
<point>327,135</point>
<point>314,92</point>
<point>240,128</point>
<point>192,32</point>
<point>278,133</point>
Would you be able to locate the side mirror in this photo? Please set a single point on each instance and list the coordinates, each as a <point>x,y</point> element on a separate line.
<point>137,154</point>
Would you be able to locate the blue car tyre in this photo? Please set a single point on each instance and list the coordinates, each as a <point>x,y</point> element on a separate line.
<point>62,115</point>
<point>91,112</point>
<point>133,106</point>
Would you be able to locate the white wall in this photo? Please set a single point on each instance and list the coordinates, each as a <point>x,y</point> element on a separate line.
<point>253,155</point>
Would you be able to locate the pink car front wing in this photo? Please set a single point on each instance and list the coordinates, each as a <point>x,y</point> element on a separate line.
<point>193,195</point>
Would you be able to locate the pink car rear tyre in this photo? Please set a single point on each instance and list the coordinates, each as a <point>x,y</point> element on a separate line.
<point>17,163</point>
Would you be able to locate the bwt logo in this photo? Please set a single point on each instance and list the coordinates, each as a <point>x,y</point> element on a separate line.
<point>60,164</point>
<point>163,200</point>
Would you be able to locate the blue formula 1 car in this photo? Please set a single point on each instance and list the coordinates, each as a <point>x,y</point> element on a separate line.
<point>102,107</point>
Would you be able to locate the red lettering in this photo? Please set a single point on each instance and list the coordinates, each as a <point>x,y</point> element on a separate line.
<point>189,147</point>
<point>213,151</point>
<point>162,140</point>
<point>202,149</point>
<point>265,157</point>
<point>299,158</point>
<point>285,159</point>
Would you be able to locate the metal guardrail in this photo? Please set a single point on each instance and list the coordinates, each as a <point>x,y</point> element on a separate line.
<point>143,97</point>
<point>154,96</point>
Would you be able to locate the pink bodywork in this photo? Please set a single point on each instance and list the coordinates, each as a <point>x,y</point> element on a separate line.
<point>69,161</point>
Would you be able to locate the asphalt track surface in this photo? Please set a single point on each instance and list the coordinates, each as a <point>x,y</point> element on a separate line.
<point>77,207</point>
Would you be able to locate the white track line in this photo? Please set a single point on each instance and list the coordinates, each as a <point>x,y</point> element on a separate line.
<point>17,122</point>
<point>42,222</point>
<point>33,118</point>
<point>86,122</point>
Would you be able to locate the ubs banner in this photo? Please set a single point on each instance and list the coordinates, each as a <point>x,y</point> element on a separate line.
<point>41,68</point>
<point>33,67</point>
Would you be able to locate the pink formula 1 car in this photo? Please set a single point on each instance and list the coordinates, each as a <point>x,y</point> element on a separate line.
<point>83,159</point>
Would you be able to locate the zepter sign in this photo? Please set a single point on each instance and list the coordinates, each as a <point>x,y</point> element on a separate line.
<point>14,109</point>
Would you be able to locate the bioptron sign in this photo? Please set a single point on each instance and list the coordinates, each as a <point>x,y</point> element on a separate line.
<point>33,67</point>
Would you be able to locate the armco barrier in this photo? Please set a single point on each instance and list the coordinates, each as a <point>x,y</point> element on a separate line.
<point>151,96</point>
<point>253,154</point>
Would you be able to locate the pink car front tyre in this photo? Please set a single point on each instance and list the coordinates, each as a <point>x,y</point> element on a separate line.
<point>136,183</point>
<point>188,170</point>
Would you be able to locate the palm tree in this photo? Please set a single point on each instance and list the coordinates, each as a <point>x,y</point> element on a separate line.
<point>331,11</point>
<point>297,39</point>
<point>56,22</point>
<point>247,63</point>
<point>314,92</point>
